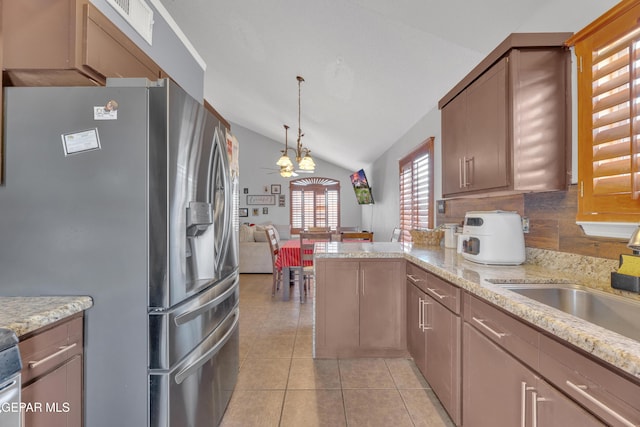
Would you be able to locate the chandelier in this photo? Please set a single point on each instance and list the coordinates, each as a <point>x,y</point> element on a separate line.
<point>303,156</point>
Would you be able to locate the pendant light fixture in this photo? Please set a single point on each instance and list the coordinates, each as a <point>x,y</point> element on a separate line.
<point>303,156</point>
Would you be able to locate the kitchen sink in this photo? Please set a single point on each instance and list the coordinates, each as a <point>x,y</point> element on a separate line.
<point>609,311</point>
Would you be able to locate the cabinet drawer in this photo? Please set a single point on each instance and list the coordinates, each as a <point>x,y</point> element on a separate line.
<point>612,397</point>
<point>508,332</point>
<point>440,290</point>
<point>47,350</point>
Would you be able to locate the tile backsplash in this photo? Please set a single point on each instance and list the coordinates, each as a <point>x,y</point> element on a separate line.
<point>551,221</point>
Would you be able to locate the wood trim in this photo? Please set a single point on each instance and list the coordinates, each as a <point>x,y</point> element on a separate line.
<point>213,111</point>
<point>515,40</point>
<point>604,20</point>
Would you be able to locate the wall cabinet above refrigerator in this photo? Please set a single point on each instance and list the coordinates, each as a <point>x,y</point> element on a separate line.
<point>72,44</point>
<point>506,126</point>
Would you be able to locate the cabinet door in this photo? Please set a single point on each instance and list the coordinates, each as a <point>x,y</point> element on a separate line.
<point>382,304</point>
<point>415,333</point>
<point>443,355</point>
<point>553,408</point>
<point>492,387</point>
<point>55,400</point>
<point>485,162</point>
<point>337,302</point>
<point>454,116</point>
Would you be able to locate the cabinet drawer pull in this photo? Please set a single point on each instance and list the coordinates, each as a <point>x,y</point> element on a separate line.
<point>433,291</point>
<point>460,172</point>
<point>481,323</point>
<point>464,172</point>
<point>33,365</point>
<point>425,316</point>
<point>580,389</point>
<point>413,278</point>
<point>420,314</point>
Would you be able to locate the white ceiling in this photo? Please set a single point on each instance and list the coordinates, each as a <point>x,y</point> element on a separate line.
<point>373,68</point>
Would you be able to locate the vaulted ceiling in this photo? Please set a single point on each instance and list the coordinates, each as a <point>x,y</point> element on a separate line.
<point>373,68</point>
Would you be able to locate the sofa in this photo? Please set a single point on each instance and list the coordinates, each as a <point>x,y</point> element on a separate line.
<point>255,254</point>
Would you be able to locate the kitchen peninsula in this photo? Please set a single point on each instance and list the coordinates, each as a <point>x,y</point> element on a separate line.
<point>496,335</point>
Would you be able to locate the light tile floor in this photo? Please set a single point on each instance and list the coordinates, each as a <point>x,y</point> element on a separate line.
<point>280,384</point>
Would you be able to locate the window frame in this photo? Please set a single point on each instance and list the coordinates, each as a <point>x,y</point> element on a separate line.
<point>606,205</point>
<point>410,163</point>
<point>318,187</point>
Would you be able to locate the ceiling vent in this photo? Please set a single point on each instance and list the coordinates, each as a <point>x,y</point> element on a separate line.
<point>138,14</point>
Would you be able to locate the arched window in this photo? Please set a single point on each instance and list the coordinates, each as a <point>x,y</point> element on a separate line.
<point>315,202</point>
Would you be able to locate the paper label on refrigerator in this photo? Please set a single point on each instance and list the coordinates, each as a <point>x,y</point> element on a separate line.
<point>109,111</point>
<point>78,142</point>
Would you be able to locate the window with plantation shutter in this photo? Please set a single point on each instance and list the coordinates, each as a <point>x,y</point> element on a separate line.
<point>416,190</point>
<point>315,202</point>
<point>608,53</point>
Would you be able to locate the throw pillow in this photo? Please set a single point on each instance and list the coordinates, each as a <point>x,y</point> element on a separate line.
<point>246,233</point>
<point>260,234</point>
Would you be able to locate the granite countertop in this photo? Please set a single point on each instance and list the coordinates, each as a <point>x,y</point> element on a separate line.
<point>26,314</point>
<point>604,344</point>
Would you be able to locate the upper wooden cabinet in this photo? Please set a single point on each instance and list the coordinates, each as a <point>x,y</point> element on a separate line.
<point>67,43</point>
<point>506,125</point>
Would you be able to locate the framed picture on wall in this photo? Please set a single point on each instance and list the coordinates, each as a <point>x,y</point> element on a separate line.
<point>244,212</point>
<point>281,202</point>
<point>275,188</point>
<point>267,199</point>
<point>265,211</point>
<point>256,212</point>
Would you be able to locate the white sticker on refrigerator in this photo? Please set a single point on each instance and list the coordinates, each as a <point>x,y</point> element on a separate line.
<point>79,142</point>
<point>107,112</point>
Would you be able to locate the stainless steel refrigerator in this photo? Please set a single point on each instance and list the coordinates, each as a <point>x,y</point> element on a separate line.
<point>125,193</point>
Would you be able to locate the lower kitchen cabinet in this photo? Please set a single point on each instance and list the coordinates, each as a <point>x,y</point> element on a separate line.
<point>360,308</point>
<point>52,375</point>
<point>433,335</point>
<point>499,391</point>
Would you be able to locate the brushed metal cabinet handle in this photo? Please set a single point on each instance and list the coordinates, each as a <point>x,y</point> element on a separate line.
<point>481,323</point>
<point>433,291</point>
<point>580,389</point>
<point>35,364</point>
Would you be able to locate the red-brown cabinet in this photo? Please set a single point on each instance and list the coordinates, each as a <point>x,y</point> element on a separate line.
<point>360,308</point>
<point>52,375</point>
<point>433,334</point>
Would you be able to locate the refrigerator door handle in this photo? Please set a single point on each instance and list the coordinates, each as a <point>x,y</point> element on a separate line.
<point>195,365</point>
<point>192,314</point>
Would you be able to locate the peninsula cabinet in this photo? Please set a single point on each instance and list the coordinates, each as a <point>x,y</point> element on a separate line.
<point>506,125</point>
<point>434,334</point>
<point>360,308</point>
<point>52,375</point>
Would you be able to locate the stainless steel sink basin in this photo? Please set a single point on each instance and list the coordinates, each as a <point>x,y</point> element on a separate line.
<point>609,311</point>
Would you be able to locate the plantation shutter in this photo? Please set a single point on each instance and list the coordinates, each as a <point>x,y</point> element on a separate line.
<point>608,111</point>
<point>416,190</point>
<point>315,202</point>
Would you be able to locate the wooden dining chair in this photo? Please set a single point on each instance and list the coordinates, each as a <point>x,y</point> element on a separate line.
<point>318,229</point>
<point>274,247</point>
<point>365,236</point>
<point>307,242</point>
